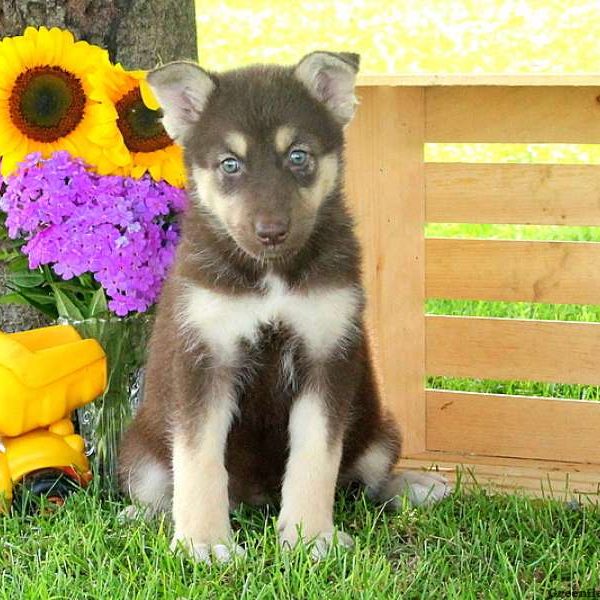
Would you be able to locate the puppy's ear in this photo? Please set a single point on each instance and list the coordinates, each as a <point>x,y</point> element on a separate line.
<point>182,89</point>
<point>330,78</point>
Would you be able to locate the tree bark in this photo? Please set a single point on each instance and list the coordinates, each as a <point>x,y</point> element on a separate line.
<point>139,34</point>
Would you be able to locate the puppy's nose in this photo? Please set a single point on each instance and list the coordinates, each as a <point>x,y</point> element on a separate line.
<point>272,232</point>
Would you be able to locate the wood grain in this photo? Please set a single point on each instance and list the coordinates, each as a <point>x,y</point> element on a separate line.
<point>507,349</point>
<point>513,271</point>
<point>514,426</point>
<point>548,478</point>
<point>385,183</point>
<point>513,193</point>
<point>478,79</point>
<point>513,114</point>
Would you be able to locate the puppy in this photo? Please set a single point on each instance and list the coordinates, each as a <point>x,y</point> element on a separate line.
<point>259,384</point>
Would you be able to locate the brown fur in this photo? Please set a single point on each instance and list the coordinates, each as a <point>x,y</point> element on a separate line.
<point>224,257</point>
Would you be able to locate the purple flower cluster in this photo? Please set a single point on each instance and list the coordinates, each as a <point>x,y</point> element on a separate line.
<point>117,228</point>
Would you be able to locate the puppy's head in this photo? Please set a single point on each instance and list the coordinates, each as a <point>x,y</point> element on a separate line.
<point>263,145</point>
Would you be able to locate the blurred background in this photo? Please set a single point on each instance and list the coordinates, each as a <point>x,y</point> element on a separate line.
<point>430,36</point>
<point>441,36</point>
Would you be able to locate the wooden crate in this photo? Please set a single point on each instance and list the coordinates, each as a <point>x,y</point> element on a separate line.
<point>539,445</point>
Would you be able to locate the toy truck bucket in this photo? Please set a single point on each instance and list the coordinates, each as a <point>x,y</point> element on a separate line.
<point>45,374</point>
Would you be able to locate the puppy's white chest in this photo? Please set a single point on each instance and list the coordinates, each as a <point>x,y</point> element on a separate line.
<point>320,318</point>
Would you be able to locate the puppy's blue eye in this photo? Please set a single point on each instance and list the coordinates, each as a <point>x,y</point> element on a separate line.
<point>230,165</point>
<point>298,158</point>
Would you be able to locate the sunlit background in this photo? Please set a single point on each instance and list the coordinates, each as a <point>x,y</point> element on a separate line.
<point>430,36</point>
<point>402,36</point>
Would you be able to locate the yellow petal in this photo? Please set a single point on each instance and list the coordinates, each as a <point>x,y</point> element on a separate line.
<point>10,62</point>
<point>137,171</point>
<point>25,51</point>
<point>101,112</point>
<point>10,138</point>
<point>11,160</point>
<point>45,47</point>
<point>103,130</point>
<point>147,96</point>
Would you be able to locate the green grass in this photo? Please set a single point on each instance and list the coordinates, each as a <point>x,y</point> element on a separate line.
<point>470,546</point>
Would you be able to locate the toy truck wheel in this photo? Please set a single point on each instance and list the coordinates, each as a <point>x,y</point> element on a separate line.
<point>54,484</point>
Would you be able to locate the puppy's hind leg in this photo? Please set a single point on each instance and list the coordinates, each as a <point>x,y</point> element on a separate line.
<point>374,468</point>
<point>420,487</point>
<point>144,478</point>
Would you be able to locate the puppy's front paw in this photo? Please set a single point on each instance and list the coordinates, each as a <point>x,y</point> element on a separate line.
<point>324,541</point>
<point>205,552</point>
<point>319,543</point>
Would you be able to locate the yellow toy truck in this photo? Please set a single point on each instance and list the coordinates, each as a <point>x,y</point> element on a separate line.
<point>44,375</point>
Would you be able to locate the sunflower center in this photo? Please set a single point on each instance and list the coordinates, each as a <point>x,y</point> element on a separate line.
<point>46,103</point>
<point>140,125</point>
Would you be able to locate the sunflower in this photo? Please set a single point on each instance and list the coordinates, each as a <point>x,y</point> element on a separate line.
<point>48,102</point>
<point>151,148</point>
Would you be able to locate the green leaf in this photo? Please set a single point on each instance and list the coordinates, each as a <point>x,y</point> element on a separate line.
<point>12,298</point>
<point>48,274</point>
<point>39,297</point>
<point>86,281</point>
<point>18,264</point>
<point>73,287</point>
<point>98,306</point>
<point>10,249</point>
<point>65,306</point>
<point>25,279</point>
<point>31,299</point>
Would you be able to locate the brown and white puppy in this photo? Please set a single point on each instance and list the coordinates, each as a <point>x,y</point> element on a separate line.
<point>259,383</point>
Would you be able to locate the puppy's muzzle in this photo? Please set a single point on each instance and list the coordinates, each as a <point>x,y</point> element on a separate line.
<point>272,232</point>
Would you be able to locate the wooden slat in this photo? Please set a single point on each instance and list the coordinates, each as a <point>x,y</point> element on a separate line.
<point>449,79</point>
<point>387,193</point>
<point>506,349</point>
<point>562,481</point>
<point>514,426</point>
<point>513,271</point>
<point>513,114</point>
<point>529,467</point>
<point>513,193</point>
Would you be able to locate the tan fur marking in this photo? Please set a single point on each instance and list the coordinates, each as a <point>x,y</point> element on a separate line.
<point>324,184</point>
<point>200,480</point>
<point>237,143</point>
<point>374,465</point>
<point>311,473</point>
<point>226,208</point>
<point>284,137</point>
<point>150,484</point>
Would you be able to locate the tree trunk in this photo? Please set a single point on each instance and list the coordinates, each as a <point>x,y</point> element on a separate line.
<point>137,33</point>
